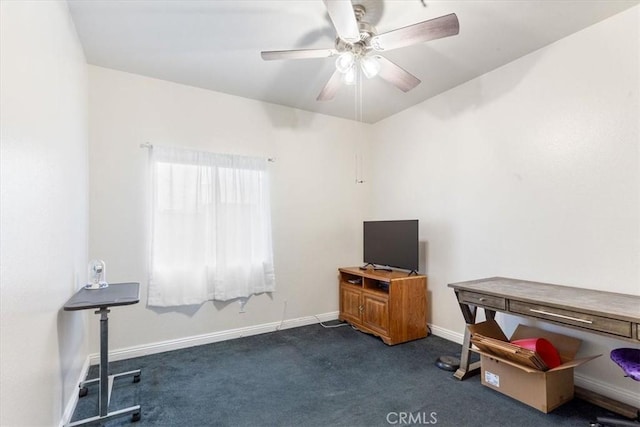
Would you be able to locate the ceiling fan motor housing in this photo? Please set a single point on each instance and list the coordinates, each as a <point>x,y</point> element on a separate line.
<point>362,46</point>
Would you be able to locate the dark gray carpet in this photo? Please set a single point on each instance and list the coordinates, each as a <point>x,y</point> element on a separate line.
<point>312,376</point>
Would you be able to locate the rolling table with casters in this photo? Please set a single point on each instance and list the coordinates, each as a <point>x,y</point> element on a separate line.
<point>114,295</point>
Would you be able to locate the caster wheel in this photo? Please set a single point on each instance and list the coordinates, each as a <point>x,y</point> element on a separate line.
<point>136,378</point>
<point>83,392</point>
<point>135,417</point>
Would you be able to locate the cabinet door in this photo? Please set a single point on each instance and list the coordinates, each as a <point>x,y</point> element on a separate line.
<point>350,303</point>
<point>376,313</point>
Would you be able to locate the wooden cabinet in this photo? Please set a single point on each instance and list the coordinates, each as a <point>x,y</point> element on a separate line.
<point>391,305</point>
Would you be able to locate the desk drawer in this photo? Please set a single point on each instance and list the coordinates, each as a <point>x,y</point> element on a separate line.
<point>482,300</point>
<point>568,317</point>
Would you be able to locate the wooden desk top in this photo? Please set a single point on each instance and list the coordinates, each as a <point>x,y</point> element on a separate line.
<point>619,306</point>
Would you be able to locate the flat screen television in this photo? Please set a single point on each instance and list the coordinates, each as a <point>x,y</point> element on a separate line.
<point>391,244</point>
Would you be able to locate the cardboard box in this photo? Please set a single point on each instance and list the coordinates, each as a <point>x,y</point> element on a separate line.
<point>543,390</point>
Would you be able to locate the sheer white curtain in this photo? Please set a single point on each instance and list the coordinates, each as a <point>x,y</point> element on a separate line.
<point>211,227</point>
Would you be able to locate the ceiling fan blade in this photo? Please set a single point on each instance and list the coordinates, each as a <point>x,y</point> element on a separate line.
<point>332,86</point>
<point>396,75</point>
<point>270,55</point>
<point>432,29</point>
<point>344,19</point>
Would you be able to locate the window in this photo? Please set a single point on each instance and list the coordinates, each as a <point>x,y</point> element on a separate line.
<point>211,227</point>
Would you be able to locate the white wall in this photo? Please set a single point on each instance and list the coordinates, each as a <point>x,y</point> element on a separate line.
<point>316,205</point>
<point>44,210</point>
<point>531,171</point>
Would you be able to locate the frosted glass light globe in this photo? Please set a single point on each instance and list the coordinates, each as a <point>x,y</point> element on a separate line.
<point>345,62</point>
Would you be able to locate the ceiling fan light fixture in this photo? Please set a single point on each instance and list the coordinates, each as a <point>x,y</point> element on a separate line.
<point>345,62</point>
<point>357,40</point>
<point>350,76</point>
<point>370,66</point>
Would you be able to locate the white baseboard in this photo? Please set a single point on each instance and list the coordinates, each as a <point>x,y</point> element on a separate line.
<point>73,401</point>
<point>448,335</point>
<point>608,390</point>
<point>160,347</point>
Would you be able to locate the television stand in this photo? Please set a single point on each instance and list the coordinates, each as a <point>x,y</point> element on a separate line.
<point>388,304</point>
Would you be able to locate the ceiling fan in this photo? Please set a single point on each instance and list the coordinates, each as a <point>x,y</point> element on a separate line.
<point>358,45</point>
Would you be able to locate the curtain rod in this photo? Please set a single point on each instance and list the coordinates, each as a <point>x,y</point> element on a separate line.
<point>148,145</point>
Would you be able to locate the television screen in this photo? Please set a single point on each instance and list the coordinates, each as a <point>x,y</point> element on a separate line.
<point>391,243</point>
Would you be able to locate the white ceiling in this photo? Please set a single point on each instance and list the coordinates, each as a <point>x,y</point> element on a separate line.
<point>216,44</point>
